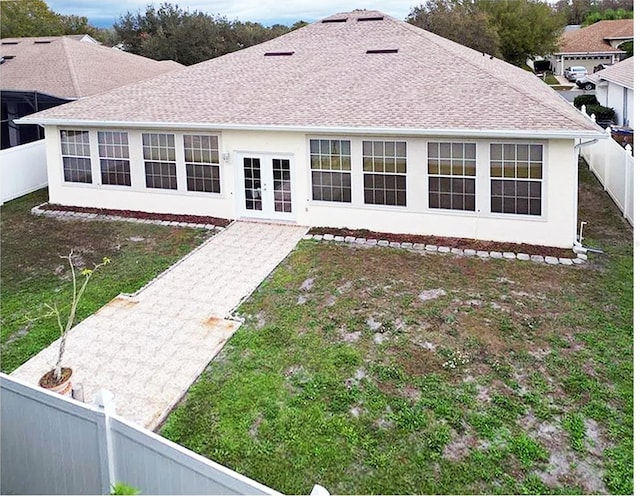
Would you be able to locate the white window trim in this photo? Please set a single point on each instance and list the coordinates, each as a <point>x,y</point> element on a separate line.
<point>309,175</point>
<point>543,181</point>
<point>92,150</point>
<point>453,211</point>
<point>136,162</point>
<point>405,174</point>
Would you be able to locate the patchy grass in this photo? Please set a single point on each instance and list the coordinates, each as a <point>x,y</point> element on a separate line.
<point>378,370</point>
<point>33,273</point>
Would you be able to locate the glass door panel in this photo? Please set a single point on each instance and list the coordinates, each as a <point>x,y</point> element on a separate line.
<point>252,184</point>
<point>281,169</point>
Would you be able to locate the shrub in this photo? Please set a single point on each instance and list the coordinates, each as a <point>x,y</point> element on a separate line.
<point>581,100</point>
<point>601,113</point>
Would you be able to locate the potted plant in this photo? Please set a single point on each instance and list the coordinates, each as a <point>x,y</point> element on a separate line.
<point>58,379</point>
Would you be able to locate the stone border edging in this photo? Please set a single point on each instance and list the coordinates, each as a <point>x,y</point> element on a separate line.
<point>37,210</point>
<point>580,259</point>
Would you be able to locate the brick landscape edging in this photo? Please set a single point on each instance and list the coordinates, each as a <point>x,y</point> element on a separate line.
<point>87,216</point>
<point>507,255</point>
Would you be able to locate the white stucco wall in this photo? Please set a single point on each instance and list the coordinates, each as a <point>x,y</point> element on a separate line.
<point>555,227</point>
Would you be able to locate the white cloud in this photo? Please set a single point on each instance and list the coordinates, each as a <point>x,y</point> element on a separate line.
<point>264,11</point>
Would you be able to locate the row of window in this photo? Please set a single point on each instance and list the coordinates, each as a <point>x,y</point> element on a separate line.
<point>515,170</point>
<point>201,158</point>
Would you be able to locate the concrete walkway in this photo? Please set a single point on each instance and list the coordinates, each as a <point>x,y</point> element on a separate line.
<point>149,348</point>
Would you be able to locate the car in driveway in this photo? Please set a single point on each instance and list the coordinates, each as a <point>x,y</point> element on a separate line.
<point>585,84</point>
<point>575,72</point>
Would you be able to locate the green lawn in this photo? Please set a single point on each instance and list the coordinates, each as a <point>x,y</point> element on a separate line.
<point>377,370</point>
<point>32,272</point>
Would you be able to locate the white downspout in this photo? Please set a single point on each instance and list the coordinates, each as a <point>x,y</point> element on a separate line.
<point>578,241</point>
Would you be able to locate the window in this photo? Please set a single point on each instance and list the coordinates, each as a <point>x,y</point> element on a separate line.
<point>385,172</point>
<point>113,148</point>
<point>516,179</point>
<point>159,160</point>
<point>452,175</point>
<point>331,170</point>
<point>201,157</point>
<point>76,156</point>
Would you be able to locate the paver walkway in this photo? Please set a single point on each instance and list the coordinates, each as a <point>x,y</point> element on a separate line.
<point>148,348</point>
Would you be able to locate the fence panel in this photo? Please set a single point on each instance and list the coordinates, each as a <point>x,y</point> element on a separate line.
<point>613,166</point>
<point>23,169</point>
<point>54,445</point>
<point>146,460</point>
<point>49,444</point>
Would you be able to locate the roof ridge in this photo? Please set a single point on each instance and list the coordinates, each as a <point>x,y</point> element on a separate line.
<point>72,71</point>
<point>517,88</point>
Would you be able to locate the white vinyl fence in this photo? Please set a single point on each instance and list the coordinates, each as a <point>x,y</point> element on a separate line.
<point>613,166</point>
<point>23,169</point>
<point>55,445</point>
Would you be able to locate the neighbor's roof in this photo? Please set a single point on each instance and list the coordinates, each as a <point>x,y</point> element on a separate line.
<point>620,73</point>
<point>321,78</point>
<point>65,67</point>
<point>593,38</point>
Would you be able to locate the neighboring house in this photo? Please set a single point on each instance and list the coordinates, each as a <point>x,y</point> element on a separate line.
<point>83,37</point>
<point>359,120</point>
<point>614,88</point>
<point>43,72</point>
<point>592,45</point>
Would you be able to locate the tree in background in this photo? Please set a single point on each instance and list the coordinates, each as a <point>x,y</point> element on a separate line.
<point>170,33</point>
<point>510,29</point>
<point>590,11</point>
<point>526,27</point>
<point>24,18</point>
<point>460,21</point>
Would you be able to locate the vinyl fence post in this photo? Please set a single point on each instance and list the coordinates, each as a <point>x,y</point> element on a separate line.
<point>628,163</point>
<point>106,405</point>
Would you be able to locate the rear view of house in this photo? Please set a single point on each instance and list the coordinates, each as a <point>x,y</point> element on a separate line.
<point>358,120</point>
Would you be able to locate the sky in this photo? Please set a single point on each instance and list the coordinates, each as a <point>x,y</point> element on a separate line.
<point>267,12</point>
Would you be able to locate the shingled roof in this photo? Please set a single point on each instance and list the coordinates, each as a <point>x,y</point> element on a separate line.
<point>596,37</point>
<point>68,68</point>
<point>358,71</point>
<point>620,73</point>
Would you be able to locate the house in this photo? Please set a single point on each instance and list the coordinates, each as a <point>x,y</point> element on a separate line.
<point>592,45</point>
<point>358,120</point>
<point>42,72</point>
<point>614,88</point>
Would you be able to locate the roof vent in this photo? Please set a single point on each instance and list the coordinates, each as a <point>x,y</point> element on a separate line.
<point>277,54</point>
<point>41,42</point>
<point>341,19</point>
<point>384,50</point>
<point>10,42</point>
<point>376,18</point>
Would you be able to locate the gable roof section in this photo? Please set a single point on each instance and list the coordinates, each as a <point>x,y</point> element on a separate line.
<point>620,73</point>
<point>67,68</point>
<point>330,83</point>
<point>593,38</point>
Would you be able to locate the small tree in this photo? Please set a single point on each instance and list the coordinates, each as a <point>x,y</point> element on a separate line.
<point>65,327</point>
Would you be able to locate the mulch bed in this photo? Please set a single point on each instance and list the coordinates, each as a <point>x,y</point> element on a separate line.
<point>134,214</point>
<point>461,243</point>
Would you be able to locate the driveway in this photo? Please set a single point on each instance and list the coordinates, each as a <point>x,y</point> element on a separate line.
<point>148,348</point>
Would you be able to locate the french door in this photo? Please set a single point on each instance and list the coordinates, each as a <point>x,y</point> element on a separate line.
<point>267,186</point>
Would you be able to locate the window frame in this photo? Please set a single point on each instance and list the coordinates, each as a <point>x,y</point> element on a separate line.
<point>341,172</point>
<point>373,156</point>
<point>126,159</point>
<point>477,176</point>
<point>151,161</point>
<point>89,157</point>
<point>542,181</point>
<point>214,165</point>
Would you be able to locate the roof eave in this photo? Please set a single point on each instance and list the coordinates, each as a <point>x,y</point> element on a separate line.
<point>374,131</point>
